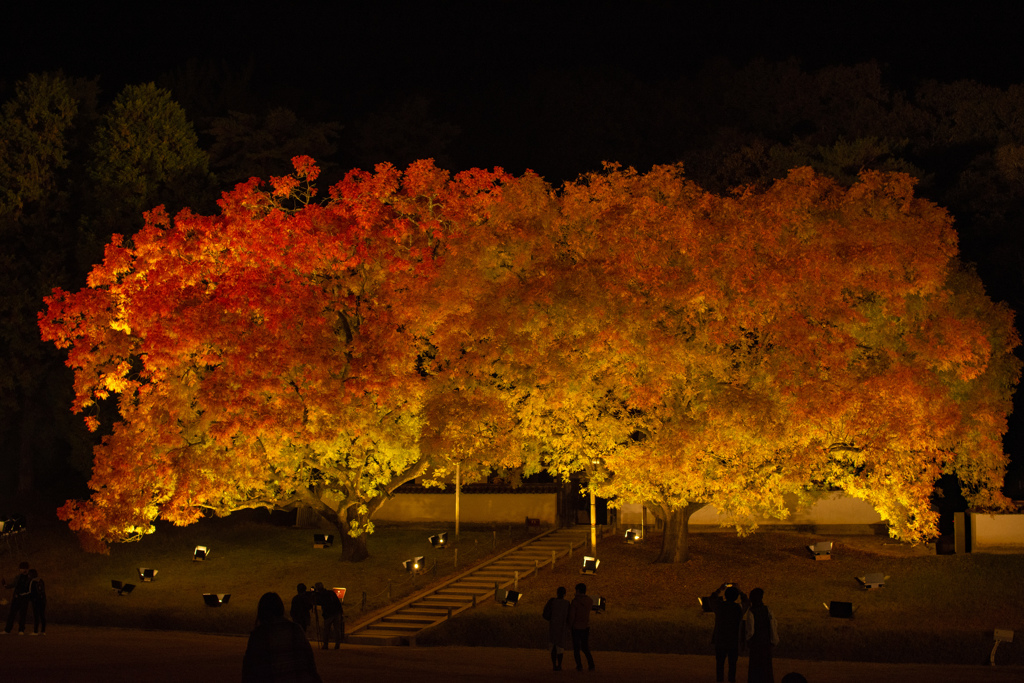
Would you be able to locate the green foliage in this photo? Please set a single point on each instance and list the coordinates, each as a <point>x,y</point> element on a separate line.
<point>34,127</point>
<point>145,153</point>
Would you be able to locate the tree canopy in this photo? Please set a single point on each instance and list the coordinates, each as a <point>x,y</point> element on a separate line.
<point>676,346</point>
<point>266,356</point>
<point>682,348</point>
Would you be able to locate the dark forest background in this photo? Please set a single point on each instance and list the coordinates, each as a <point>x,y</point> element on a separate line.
<point>105,116</point>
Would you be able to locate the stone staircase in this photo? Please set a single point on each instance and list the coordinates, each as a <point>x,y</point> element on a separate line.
<point>402,622</point>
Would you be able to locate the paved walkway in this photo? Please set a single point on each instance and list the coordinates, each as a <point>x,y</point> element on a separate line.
<point>86,655</point>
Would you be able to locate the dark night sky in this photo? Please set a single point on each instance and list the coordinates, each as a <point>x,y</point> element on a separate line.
<point>337,49</point>
<point>340,61</point>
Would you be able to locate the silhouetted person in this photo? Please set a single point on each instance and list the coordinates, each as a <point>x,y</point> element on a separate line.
<point>579,624</point>
<point>333,614</point>
<point>762,637</point>
<point>556,611</point>
<point>278,650</point>
<point>302,605</point>
<point>728,630</point>
<point>37,597</point>
<point>19,600</point>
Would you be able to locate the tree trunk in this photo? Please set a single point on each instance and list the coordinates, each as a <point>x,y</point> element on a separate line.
<point>353,549</point>
<point>26,451</point>
<point>674,543</point>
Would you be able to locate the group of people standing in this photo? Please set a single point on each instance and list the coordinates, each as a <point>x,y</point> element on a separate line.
<point>303,611</point>
<point>740,620</point>
<point>28,589</point>
<point>747,622</point>
<point>570,621</point>
<point>278,648</point>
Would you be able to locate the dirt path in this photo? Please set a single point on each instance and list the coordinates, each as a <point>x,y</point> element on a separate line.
<point>85,655</point>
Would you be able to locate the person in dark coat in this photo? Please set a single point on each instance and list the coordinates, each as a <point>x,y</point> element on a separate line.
<point>19,600</point>
<point>333,613</point>
<point>762,637</point>
<point>278,651</point>
<point>556,611</point>
<point>579,624</point>
<point>37,597</point>
<point>302,605</point>
<point>728,630</point>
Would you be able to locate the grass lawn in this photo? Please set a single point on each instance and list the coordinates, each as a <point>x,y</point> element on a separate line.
<point>933,609</point>
<point>248,557</point>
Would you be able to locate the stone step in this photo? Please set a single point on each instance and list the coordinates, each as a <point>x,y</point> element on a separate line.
<point>401,626</point>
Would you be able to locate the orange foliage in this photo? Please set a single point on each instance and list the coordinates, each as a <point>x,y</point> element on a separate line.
<point>679,347</point>
<point>266,354</point>
<point>685,348</point>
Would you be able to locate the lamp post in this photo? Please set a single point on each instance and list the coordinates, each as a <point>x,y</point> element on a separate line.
<point>596,463</point>
<point>458,485</point>
<point>593,522</point>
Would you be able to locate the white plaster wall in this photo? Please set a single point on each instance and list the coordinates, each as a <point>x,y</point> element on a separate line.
<point>996,530</point>
<point>835,508</point>
<point>474,507</point>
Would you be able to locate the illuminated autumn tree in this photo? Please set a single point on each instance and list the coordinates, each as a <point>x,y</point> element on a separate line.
<point>269,356</point>
<point>693,349</point>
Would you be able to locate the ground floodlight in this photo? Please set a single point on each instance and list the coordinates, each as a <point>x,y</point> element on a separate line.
<point>147,575</point>
<point>590,565</point>
<point>439,540</point>
<point>1000,636</point>
<point>323,540</point>
<point>122,588</point>
<point>511,598</point>
<point>821,550</point>
<point>840,610</point>
<point>600,605</point>
<point>200,553</point>
<point>216,599</point>
<point>633,536</point>
<point>707,604</point>
<point>873,580</point>
<point>415,565</point>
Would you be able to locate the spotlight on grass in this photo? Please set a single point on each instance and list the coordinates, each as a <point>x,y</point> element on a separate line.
<point>840,610</point>
<point>414,566</point>
<point>633,536</point>
<point>1000,636</point>
<point>122,588</point>
<point>200,553</point>
<point>323,540</point>
<point>600,605</point>
<point>590,565</point>
<point>147,575</point>
<point>873,580</point>
<point>511,598</point>
<point>216,599</point>
<point>821,550</point>
<point>439,541</point>
<point>707,603</point>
